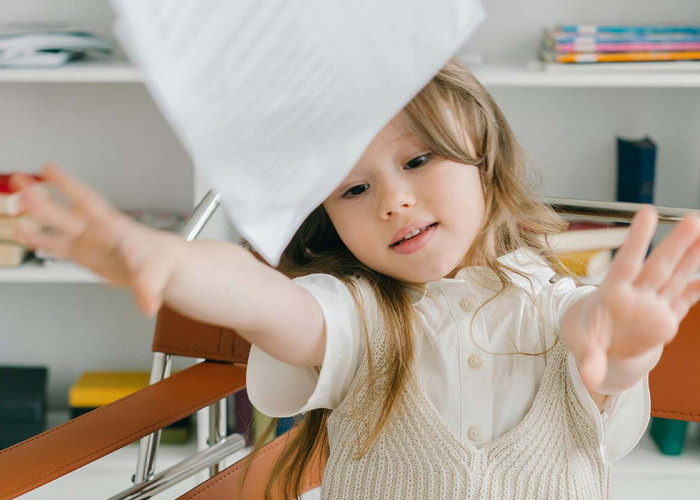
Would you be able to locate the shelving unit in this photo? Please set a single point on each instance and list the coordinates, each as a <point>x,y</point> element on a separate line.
<point>96,117</point>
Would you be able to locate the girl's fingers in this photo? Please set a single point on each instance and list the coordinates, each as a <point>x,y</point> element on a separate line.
<point>20,180</point>
<point>78,193</point>
<point>51,243</point>
<point>665,258</point>
<point>629,259</point>
<point>689,264</point>
<point>688,299</point>
<point>51,214</point>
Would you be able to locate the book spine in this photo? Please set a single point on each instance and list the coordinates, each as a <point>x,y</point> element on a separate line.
<point>260,424</point>
<point>553,38</point>
<point>636,165</point>
<point>627,47</point>
<point>622,57</point>
<point>589,29</point>
<point>244,416</point>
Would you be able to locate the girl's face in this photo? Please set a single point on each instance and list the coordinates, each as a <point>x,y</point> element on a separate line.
<point>406,213</point>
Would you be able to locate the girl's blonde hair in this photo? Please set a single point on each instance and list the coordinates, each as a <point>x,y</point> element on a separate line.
<point>452,109</point>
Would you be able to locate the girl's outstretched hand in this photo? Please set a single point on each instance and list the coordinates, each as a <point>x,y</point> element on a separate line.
<point>87,229</point>
<point>639,306</point>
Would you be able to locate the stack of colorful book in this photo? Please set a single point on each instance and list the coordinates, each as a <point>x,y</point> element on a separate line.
<point>625,45</point>
<point>12,253</point>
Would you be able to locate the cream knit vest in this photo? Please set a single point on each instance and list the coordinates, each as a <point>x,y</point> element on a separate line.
<point>551,454</point>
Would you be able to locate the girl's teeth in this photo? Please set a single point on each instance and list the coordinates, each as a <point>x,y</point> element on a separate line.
<point>411,234</point>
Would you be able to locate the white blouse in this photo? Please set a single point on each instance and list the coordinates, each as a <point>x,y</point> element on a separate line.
<point>480,389</point>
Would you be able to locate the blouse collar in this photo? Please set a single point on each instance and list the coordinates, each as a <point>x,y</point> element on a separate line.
<point>523,259</point>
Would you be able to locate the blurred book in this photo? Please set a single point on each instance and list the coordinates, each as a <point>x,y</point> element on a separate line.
<point>284,424</point>
<point>8,226</point>
<point>243,420</point>
<point>586,236</point>
<point>46,48</point>
<point>622,29</point>
<point>260,424</point>
<point>9,199</point>
<point>12,254</point>
<point>163,220</point>
<point>606,57</point>
<point>22,403</point>
<point>95,389</point>
<point>636,168</point>
<point>591,265</point>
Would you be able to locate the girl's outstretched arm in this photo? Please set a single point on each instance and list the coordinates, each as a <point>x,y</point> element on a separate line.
<point>211,281</point>
<point>618,332</point>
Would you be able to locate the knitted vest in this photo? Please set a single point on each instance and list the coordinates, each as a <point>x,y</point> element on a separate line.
<point>552,453</point>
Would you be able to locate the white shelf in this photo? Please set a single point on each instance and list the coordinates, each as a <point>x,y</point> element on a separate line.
<point>33,271</point>
<point>95,71</point>
<point>533,75</point>
<point>491,75</point>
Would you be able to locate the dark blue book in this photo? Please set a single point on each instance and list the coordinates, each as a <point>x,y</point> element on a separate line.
<point>636,168</point>
<point>22,403</point>
<point>283,425</point>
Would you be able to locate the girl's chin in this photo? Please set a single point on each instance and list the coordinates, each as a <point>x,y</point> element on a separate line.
<point>418,277</point>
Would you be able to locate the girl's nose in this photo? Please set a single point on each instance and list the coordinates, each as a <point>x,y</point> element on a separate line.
<point>394,199</point>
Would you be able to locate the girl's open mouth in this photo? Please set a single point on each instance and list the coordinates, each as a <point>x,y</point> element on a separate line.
<point>415,240</point>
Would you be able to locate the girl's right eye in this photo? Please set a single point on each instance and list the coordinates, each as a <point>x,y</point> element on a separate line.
<point>355,191</point>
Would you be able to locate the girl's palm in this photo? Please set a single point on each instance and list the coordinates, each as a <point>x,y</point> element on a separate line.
<point>641,302</point>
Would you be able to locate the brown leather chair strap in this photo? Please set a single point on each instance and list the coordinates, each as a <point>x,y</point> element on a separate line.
<point>183,336</point>
<point>227,484</point>
<point>61,450</point>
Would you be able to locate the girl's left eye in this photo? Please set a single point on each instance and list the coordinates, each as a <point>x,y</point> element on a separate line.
<point>418,161</point>
<point>355,191</point>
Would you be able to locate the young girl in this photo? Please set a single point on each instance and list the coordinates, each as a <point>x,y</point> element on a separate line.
<point>431,339</point>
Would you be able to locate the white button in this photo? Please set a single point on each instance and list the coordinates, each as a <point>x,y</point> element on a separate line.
<point>466,304</point>
<point>474,433</point>
<point>475,361</point>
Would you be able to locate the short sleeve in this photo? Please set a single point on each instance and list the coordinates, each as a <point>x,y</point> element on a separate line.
<point>280,389</point>
<point>625,415</point>
<point>557,297</point>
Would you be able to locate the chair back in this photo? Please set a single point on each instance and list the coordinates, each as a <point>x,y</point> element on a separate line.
<point>179,335</point>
